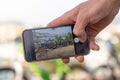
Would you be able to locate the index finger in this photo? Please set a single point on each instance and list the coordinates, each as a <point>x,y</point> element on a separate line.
<point>65,19</point>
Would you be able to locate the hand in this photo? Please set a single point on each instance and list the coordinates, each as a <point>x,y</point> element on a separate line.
<point>94,15</point>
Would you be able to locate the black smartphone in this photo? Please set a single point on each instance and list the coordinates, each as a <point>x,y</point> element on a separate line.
<point>51,43</point>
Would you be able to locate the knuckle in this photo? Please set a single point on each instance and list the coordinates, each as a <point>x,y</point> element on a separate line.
<point>79,33</point>
<point>76,32</point>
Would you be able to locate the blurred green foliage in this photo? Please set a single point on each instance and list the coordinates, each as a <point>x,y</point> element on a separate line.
<point>40,72</point>
<point>117,47</point>
<point>61,68</point>
<point>20,49</point>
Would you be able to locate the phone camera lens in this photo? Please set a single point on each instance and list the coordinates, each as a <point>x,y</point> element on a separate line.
<point>76,40</point>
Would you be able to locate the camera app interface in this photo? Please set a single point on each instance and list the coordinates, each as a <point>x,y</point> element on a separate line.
<point>53,42</point>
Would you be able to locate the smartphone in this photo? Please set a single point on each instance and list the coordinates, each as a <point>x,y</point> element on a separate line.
<point>52,43</point>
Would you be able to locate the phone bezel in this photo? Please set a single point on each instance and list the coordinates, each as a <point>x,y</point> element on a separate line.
<point>28,46</point>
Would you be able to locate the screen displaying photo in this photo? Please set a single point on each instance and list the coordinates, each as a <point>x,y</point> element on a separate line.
<point>53,42</point>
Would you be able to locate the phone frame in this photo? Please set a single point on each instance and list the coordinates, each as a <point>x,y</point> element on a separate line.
<point>29,52</point>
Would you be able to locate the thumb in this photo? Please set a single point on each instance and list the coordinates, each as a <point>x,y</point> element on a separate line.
<point>79,28</point>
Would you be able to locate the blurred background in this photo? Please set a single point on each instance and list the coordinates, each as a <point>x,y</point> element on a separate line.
<point>18,15</point>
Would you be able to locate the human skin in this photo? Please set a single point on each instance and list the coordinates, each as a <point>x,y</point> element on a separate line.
<point>94,15</point>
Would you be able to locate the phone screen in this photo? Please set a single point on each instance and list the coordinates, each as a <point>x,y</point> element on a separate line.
<point>54,42</point>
